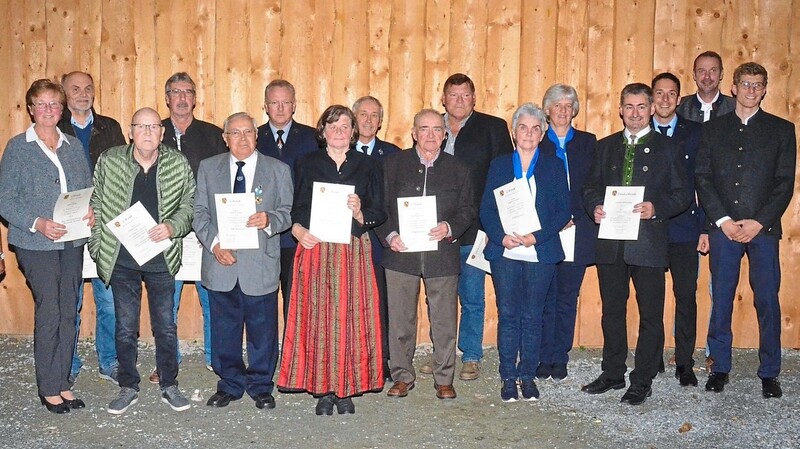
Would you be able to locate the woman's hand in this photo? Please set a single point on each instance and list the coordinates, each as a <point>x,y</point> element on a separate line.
<point>50,229</point>
<point>304,237</point>
<point>354,204</point>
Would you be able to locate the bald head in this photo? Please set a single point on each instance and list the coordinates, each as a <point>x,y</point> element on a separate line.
<point>146,129</point>
<point>145,113</point>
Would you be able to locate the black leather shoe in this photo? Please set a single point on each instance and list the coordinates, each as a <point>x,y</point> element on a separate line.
<point>685,376</point>
<point>661,368</point>
<point>601,385</point>
<point>716,382</point>
<point>324,405</point>
<point>636,394</point>
<point>344,405</point>
<point>771,388</point>
<point>54,408</point>
<point>265,400</point>
<point>74,403</point>
<point>220,399</point>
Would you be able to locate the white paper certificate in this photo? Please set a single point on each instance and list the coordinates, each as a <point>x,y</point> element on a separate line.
<point>475,257</point>
<point>567,237</point>
<point>190,259</point>
<point>331,220</point>
<point>517,209</point>
<point>89,267</point>
<point>70,209</point>
<point>621,222</point>
<point>233,211</point>
<point>131,227</point>
<point>416,216</point>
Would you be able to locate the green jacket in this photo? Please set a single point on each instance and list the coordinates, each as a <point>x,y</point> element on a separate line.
<point>114,176</point>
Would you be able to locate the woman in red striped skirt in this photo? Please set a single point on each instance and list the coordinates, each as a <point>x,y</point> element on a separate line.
<point>331,346</point>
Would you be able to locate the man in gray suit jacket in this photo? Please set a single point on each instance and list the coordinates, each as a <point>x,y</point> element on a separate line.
<point>243,283</point>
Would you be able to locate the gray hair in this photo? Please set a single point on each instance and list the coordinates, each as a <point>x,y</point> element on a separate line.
<point>361,100</point>
<point>176,77</point>
<point>558,92</point>
<point>238,116</point>
<point>425,112</point>
<point>532,110</point>
<point>279,83</point>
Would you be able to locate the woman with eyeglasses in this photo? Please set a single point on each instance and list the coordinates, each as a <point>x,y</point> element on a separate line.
<point>332,344</point>
<point>37,167</point>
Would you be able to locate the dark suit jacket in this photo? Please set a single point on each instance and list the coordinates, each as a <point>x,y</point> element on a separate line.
<point>297,144</point>
<point>379,152</point>
<point>201,141</point>
<point>689,107</point>
<point>450,182</point>
<point>747,171</point>
<point>106,133</point>
<point>580,153</point>
<point>479,141</point>
<point>552,206</point>
<point>657,166</point>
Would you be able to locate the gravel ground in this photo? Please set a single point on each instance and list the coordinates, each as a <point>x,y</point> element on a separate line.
<point>673,417</point>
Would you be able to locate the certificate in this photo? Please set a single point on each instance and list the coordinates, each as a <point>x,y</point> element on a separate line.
<point>131,227</point>
<point>70,209</point>
<point>416,216</point>
<point>331,219</point>
<point>475,257</point>
<point>190,259</point>
<point>621,222</point>
<point>517,208</point>
<point>233,211</point>
<point>89,267</point>
<point>567,237</point>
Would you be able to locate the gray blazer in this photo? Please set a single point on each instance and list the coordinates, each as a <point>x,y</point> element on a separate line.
<point>256,270</point>
<point>29,187</point>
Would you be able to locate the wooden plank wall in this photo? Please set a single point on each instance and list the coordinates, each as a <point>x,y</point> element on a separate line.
<point>401,52</point>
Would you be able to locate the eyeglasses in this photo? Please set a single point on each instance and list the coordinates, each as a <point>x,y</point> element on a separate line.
<point>758,86</point>
<point>154,127</point>
<point>239,133</point>
<point>275,104</point>
<point>54,105</point>
<point>178,92</point>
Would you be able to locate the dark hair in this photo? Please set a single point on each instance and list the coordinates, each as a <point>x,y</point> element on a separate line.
<point>458,79</point>
<point>666,76</point>
<point>331,115</point>
<point>708,54</point>
<point>749,68</point>
<point>43,85</point>
<point>636,89</point>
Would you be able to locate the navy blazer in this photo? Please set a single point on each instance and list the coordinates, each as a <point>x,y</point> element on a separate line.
<point>298,143</point>
<point>551,206</point>
<point>657,165</point>
<point>689,107</point>
<point>580,152</point>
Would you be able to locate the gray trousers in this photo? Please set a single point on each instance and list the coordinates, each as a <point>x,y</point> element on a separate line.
<point>54,278</point>
<point>442,298</point>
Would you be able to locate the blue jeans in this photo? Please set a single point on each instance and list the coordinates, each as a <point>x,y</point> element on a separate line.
<point>560,310</point>
<point>104,328</point>
<point>127,285</point>
<point>202,293</point>
<point>471,293</point>
<point>521,289</point>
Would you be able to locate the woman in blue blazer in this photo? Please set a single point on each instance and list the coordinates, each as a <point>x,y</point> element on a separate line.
<point>523,265</point>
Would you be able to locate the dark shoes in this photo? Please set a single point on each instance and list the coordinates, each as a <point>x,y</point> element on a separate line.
<point>344,405</point>
<point>529,390</point>
<point>55,408</point>
<point>445,391</point>
<point>716,382</point>
<point>544,371</point>
<point>559,372</point>
<point>324,405</point>
<point>508,392</point>
<point>685,376</point>
<point>601,385</point>
<point>264,400</point>
<point>400,389</point>
<point>771,388</point>
<point>74,403</point>
<point>636,394</point>
<point>222,399</point>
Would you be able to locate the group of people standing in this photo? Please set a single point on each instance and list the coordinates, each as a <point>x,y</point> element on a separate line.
<point>351,308</point>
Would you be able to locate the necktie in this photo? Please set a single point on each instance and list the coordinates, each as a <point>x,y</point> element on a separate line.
<point>365,149</point>
<point>663,130</point>
<point>238,183</point>
<point>279,141</point>
<point>627,167</point>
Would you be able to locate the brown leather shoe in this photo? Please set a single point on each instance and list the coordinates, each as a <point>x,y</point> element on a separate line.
<point>445,391</point>
<point>470,371</point>
<point>154,379</point>
<point>400,389</point>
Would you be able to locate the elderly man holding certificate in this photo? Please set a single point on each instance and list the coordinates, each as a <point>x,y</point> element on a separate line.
<point>429,192</point>
<point>646,160</point>
<point>242,205</point>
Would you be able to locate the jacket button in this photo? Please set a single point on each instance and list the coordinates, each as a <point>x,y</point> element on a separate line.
<point>645,168</point>
<point>417,188</point>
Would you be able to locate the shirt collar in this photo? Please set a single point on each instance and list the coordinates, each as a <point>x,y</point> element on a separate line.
<point>249,159</point>
<point>672,123</point>
<point>427,164</point>
<point>703,103</point>
<point>461,125</point>
<point>31,136</point>
<point>89,120</point>
<point>285,130</point>
<point>371,146</point>
<point>638,135</point>
<point>747,119</point>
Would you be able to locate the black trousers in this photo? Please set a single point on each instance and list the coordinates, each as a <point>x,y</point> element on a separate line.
<point>614,291</point>
<point>287,266</point>
<point>683,266</point>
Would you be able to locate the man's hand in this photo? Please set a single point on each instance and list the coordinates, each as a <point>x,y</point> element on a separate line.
<point>702,244</point>
<point>224,256</point>
<point>731,230</point>
<point>159,232</point>
<point>645,209</point>
<point>89,216</point>
<point>397,244</point>
<point>259,220</point>
<point>749,229</point>
<point>599,213</point>
<point>439,232</point>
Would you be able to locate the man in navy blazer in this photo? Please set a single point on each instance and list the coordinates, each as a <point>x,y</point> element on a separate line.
<point>243,283</point>
<point>708,102</point>
<point>685,230</point>
<point>745,180</point>
<point>286,140</point>
<point>369,118</point>
<point>636,156</point>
